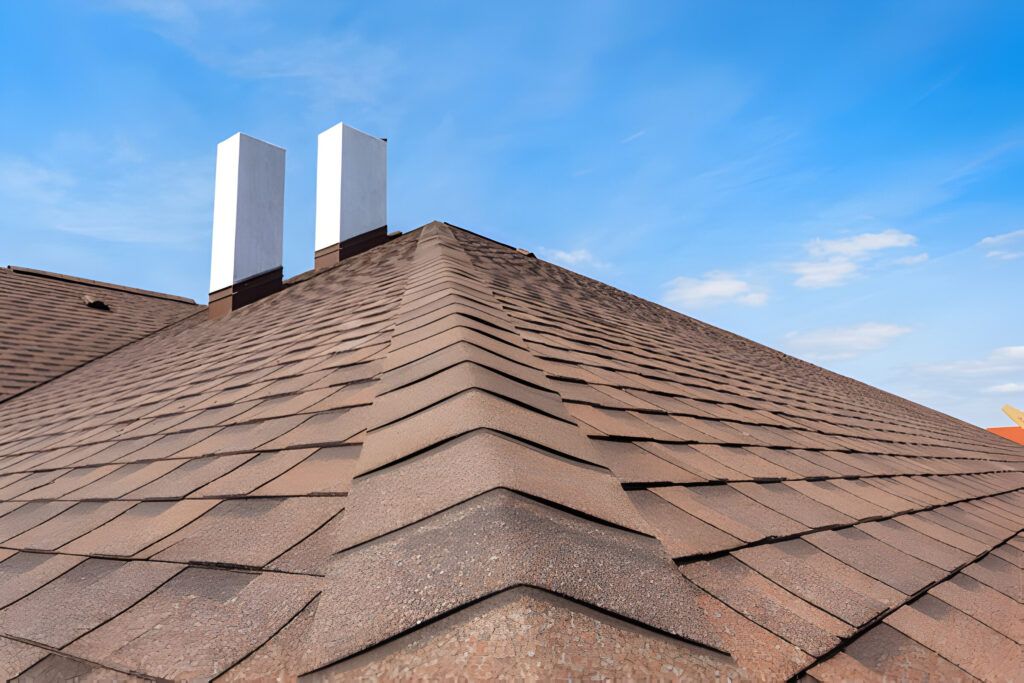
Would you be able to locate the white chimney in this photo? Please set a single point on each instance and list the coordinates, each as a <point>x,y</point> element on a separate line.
<point>351,193</point>
<point>248,223</point>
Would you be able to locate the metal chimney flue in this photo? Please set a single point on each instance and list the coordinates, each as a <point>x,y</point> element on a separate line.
<point>248,223</point>
<point>351,193</point>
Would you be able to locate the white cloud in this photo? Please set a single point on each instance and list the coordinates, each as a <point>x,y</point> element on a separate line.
<point>844,342</point>
<point>231,36</point>
<point>634,136</point>
<point>573,258</point>
<point>714,288</point>
<point>1004,255</point>
<point>29,182</point>
<point>343,67</point>
<point>1003,238</point>
<point>1005,247</point>
<point>861,245</point>
<point>837,260</point>
<point>976,386</point>
<point>1007,388</point>
<point>167,11</point>
<point>1001,361</point>
<point>115,207</point>
<point>828,273</point>
<point>913,260</point>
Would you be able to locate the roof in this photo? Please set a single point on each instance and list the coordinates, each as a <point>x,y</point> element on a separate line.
<point>1015,434</point>
<point>444,456</point>
<point>53,323</point>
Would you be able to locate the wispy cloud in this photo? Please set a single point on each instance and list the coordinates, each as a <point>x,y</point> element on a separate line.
<point>939,85</point>
<point>835,343</point>
<point>715,288</point>
<point>339,66</point>
<point>634,136</point>
<point>572,258</point>
<point>912,260</point>
<point>827,273</point>
<point>1005,247</point>
<point>1007,388</point>
<point>1001,361</point>
<point>115,207</point>
<point>835,261</point>
<point>861,245</point>
<point>174,12</point>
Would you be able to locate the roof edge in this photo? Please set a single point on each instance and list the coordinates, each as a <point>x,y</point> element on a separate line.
<point>21,270</point>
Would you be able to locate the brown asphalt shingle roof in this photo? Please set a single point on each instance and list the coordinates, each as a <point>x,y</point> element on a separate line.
<point>47,326</point>
<point>445,456</point>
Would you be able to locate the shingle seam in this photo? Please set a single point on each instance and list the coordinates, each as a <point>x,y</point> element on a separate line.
<point>738,444</point>
<point>700,557</point>
<point>218,454</point>
<point>302,540</point>
<point>878,418</point>
<point>133,604</point>
<point>738,611</point>
<point>59,653</point>
<point>834,431</point>
<point>764,424</point>
<point>695,374</point>
<point>879,618</point>
<point>171,499</point>
<point>636,486</point>
<point>274,634</point>
<point>732,359</point>
<point>227,566</point>
<point>48,581</point>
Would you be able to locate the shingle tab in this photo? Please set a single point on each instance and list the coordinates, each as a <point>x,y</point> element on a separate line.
<point>83,598</point>
<point>959,638</point>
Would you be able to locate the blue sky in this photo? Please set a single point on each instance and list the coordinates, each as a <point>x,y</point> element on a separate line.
<point>842,181</point>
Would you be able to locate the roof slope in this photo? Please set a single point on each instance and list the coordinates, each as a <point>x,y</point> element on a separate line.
<point>49,328</point>
<point>445,455</point>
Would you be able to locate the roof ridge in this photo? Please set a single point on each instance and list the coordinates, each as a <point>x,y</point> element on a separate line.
<point>21,270</point>
<point>500,435</point>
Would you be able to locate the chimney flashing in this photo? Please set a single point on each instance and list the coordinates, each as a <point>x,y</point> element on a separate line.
<point>328,256</point>
<point>243,293</point>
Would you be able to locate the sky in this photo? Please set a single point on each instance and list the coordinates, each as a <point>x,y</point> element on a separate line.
<point>842,181</point>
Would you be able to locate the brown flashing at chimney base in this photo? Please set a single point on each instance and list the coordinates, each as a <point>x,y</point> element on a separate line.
<point>328,256</point>
<point>243,293</point>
